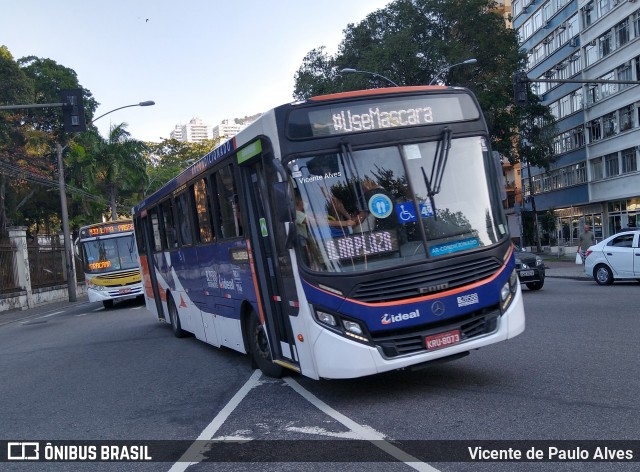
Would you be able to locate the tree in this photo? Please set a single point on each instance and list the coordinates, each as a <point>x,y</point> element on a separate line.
<point>16,89</point>
<point>411,41</point>
<point>168,158</point>
<point>120,167</point>
<point>29,137</point>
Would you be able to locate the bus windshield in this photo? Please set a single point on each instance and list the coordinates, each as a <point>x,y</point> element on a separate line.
<point>109,254</point>
<point>372,209</point>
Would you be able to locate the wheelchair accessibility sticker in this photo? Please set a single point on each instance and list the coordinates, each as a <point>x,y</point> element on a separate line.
<point>406,211</point>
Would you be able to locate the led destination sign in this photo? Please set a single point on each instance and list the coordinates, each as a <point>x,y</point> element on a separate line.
<point>102,230</point>
<point>362,245</point>
<point>380,114</point>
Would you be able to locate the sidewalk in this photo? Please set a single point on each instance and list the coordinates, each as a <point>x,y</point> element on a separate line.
<point>11,316</point>
<point>565,269</point>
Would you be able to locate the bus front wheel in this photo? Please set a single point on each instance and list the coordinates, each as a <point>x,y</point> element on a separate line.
<point>259,347</point>
<point>107,304</point>
<point>176,327</point>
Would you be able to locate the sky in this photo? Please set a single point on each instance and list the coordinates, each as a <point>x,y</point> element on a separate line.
<point>211,59</point>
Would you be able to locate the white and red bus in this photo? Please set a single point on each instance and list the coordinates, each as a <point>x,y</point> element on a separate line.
<point>343,236</point>
<point>110,261</point>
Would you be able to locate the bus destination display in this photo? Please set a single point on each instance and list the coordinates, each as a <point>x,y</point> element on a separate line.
<point>102,230</point>
<point>355,246</point>
<point>369,115</point>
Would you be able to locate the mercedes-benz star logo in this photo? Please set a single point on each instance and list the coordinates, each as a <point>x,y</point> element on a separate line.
<point>437,308</point>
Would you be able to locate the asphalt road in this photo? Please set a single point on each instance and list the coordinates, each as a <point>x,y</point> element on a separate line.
<point>85,373</point>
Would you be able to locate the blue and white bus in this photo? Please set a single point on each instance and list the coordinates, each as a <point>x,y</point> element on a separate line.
<point>343,236</point>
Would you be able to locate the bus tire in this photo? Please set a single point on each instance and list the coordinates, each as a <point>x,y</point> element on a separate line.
<point>107,304</point>
<point>174,318</point>
<point>259,348</point>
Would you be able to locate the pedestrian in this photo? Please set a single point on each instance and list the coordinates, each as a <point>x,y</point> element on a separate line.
<point>586,240</point>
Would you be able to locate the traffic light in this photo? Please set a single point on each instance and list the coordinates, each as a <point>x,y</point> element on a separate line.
<point>73,110</point>
<point>520,88</point>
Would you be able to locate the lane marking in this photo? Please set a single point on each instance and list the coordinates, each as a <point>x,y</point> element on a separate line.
<point>208,432</point>
<point>357,430</point>
<point>376,438</point>
<point>47,316</point>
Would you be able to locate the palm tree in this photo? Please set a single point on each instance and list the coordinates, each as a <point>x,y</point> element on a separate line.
<point>120,166</point>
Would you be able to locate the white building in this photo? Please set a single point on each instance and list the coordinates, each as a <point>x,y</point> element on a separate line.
<point>193,132</point>
<point>226,129</point>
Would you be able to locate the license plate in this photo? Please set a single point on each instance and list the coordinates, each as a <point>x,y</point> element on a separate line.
<point>122,291</point>
<point>527,273</point>
<point>440,340</point>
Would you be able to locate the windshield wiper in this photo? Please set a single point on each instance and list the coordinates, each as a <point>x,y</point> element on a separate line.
<point>437,169</point>
<point>346,152</point>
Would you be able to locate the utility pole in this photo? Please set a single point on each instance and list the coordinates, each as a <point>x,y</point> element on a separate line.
<point>536,233</point>
<point>68,251</point>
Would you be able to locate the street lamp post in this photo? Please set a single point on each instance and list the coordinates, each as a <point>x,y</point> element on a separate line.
<point>141,104</point>
<point>349,70</point>
<point>468,61</point>
<point>64,213</point>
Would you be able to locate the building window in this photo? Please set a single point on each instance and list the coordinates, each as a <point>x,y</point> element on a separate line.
<point>595,166</point>
<point>626,118</point>
<point>577,137</point>
<point>605,44</point>
<point>581,172</point>
<point>611,165</point>
<point>591,53</point>
<point>595,131</point>
<point>610,123</point>
<point>604,6</point>
<point>622,33</point>
<point>587,14</point>
<point>593,94</point>
<point>629,161</point>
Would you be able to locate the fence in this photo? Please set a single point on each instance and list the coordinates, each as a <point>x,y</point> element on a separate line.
<point>8,269</point>
<point>32,273</point>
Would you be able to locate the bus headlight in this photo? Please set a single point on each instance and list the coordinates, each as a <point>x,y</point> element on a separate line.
<point>346,327</point>
<point>326,318</point>
<point>508,290</point>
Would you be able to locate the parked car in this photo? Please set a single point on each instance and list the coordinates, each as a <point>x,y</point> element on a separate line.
<point>530,268</point>
<point>615,258</point>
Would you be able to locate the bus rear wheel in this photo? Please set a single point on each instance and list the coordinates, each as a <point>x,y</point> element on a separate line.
<point>259,347</point>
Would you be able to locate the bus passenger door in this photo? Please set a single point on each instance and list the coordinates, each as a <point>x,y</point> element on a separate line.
<point>148,223</point>
<point>272,263</point>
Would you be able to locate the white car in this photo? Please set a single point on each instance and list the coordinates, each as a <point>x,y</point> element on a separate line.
<point>615,258</point>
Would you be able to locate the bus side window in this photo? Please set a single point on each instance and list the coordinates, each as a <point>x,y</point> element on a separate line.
<point>184,219</point>
<point>203,215</point>
<point>171,237</point>
<point>229,211</point>
<point>155,228</point>
<point>140,224</point>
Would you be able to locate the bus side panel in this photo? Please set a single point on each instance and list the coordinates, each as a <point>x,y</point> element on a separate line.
<point>209,290</point>
<point>188,290</point>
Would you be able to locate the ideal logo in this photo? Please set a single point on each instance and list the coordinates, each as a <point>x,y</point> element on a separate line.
<point>227,284</point>
<point>466,300</point>
<point>388,319</point>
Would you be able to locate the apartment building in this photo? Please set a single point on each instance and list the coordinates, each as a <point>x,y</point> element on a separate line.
<point>193,132</point>
<point>226,129</point>
<point>596,177</point>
